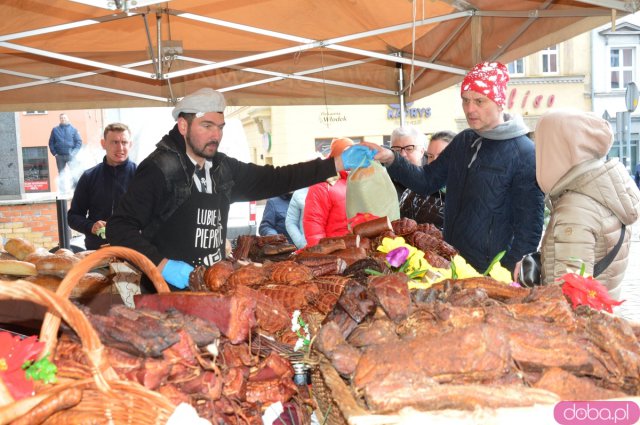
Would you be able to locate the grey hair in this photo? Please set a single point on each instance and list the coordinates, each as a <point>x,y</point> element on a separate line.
<point>409,130</point>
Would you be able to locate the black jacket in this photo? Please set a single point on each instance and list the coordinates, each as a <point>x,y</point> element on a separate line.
<point>96,197</point>
<point>164,182</point>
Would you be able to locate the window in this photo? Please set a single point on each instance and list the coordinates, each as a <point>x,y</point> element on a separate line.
<point>323,146</point>
<point>550,60</point>
<point>621,64</point>
<point>36,169</point>
<point>516,67</point>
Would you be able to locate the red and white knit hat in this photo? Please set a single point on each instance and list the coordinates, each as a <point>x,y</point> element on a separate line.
<point>489,79</point>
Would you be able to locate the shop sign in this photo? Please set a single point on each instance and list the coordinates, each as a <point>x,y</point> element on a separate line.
<point>36,185</point>
<point>332,117</point>
<point>394,111</point>
<point>536,100</point>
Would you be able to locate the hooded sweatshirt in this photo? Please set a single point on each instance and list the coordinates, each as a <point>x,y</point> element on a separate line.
<point>589,198</point>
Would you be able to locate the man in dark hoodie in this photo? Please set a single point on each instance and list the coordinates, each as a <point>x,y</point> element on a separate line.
<point>175,211</point>
<point>493,201</point>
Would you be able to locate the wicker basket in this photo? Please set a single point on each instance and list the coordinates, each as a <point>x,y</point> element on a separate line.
<point>51,322</point>
<point>336,402</point>
<point>105,399</point>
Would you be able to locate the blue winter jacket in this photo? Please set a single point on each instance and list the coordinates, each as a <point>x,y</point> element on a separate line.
<point>493,200</point>
<point>64,140</point>
<point>274,215</point>
<point>295,214</point>
<point>96,196</point>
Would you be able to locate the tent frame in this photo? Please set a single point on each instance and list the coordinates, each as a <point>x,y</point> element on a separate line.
<point>162,55</point>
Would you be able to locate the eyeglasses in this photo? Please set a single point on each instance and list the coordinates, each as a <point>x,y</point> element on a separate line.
<point>408,148</point>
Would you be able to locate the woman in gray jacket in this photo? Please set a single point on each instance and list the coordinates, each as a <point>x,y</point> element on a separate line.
<point>591,199</point>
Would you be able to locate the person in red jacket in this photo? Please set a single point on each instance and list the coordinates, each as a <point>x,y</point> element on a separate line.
<point>325,210</point>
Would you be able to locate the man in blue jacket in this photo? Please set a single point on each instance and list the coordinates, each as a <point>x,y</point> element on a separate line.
<point>64,143</point>
<point>493,200</point>
<point>100,188</point>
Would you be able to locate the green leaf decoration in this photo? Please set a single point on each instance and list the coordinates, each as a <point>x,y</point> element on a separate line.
<point>372,272</point>
<point>454,272</point>
<point>416,273</point>
<point>495,260</point>
<point>41,370</point>
<point>403,268</point>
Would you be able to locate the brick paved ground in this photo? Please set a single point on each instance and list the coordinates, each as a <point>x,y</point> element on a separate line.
<point>630,309</point>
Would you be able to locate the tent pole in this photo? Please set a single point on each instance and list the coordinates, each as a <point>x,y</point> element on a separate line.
<point>401,94</point>
<point>159,37</point>
<point>146,28</point>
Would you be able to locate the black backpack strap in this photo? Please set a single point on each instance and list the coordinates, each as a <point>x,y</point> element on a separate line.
<point>602,265</point>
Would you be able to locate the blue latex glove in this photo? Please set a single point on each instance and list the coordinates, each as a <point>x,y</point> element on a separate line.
<point>357,156</point>
<point>177,273</point>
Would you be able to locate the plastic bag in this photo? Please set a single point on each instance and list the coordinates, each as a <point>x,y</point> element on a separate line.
<point>370,190</point>
<point>530,270</point>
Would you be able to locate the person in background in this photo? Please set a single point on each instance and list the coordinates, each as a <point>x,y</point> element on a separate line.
<point>273,217</point>
<point>637,175</point>
<point>325,209</point>
<point>591,200</point>
<point>409,143</point>
<point>295,214</point>
<point>493,201</point>
<point>100,188</point>
<point>427,209</point>
<point>175,210</point>
<point>64,144</point>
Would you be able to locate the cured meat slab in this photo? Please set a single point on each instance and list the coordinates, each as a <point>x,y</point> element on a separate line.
<point>234,315</point>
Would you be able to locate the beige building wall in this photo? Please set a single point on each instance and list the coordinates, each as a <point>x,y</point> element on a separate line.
<point>35,130</point>
<point>294,129</point>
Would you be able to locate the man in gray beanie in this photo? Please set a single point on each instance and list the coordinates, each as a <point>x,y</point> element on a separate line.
<point>175,210</point>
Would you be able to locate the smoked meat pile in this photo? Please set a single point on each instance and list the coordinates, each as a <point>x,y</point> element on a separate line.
<point>475,342</point>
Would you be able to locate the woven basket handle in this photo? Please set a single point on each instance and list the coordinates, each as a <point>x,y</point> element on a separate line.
<point>63,308</point>
<point>51,323</point>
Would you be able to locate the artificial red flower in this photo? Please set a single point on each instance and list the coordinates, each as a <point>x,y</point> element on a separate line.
<point>361,218</point>
<point>583,290</point>
<point>14,352</point>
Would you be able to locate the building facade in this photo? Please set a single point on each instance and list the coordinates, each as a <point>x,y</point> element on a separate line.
<point>615,65</point>
<point>558,77</point>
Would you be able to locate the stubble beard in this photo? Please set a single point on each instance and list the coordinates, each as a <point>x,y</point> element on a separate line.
<point>200,152</point>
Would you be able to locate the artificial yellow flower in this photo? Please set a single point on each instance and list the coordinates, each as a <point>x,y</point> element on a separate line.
<point>499,273</point>
<point>389,244</point>
<point>463,269</point>
<point>417,262</point>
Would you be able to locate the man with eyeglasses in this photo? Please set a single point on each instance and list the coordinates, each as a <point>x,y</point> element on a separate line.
<point>493,203</point>
<point>409,143</point>
<point>428,209</point>
<point>100,188</point>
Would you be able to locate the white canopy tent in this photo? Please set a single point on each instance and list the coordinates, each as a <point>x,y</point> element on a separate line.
<point>65,54</point>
